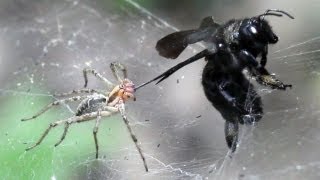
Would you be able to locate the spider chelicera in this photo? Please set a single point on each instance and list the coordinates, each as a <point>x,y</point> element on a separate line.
<point>95,105</point>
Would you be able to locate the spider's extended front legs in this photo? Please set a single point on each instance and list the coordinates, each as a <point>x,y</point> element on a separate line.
<point>55,103</point>
<point>115,66</point>
<point>133,137</point>
<point>97,75</point>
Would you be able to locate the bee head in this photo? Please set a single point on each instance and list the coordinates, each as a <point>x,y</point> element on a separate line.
<point>258,30</point>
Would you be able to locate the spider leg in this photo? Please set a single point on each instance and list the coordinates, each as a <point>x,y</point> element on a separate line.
<point>52,125</point>
<point>111,109</point>
<point>95,131</point>
<point>97,75</point>
<point>66,127</point>
<point>55,103</point>
<point>133,137</point>
<point>115,66</point>
<point>80,91</point>
<point>74,119</point>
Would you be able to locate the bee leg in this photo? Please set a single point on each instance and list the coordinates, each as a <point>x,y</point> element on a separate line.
<point>231,100</point>
<point>248,58</point>
<point>272,82</point>
<point>263,76</point>
<point>264,54</point>
<point>231,130</point>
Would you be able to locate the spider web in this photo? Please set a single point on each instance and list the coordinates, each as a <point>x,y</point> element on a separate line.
<point>45,45</point>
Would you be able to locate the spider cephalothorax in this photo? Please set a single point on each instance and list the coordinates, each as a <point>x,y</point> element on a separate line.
<point>121,93</point>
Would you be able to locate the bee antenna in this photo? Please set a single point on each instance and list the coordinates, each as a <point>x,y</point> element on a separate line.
<point>278,14</point>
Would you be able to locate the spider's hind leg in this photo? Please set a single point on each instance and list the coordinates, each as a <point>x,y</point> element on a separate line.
<point>66,127</point>
<point>74,119</point>
<point>55,103</point>
<point>52,125</point>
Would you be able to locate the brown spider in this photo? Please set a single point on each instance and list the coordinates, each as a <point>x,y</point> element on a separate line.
<point>96,105</point>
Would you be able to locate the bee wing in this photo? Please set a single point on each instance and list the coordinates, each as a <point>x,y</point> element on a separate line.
<point>209,22</point>
<point>172,45</point>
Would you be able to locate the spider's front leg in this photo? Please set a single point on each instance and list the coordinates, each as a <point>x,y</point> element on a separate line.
<point>133,137</point>
<point>115,67</point>
<point>97,75</point>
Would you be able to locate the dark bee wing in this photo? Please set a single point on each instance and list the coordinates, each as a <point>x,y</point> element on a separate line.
<point>208,22</point>
<point>172,45</point>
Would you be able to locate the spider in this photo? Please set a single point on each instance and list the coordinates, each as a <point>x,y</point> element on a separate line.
<point>96,105</point>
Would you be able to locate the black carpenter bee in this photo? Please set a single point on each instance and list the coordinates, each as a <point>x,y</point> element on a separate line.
<point>231,48</point>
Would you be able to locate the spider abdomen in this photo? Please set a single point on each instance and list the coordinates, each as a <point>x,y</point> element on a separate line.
<point>91,104</point>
